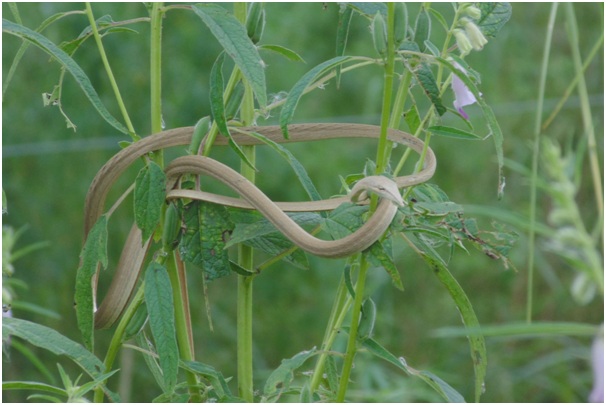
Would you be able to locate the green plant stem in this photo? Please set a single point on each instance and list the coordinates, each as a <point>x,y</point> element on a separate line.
<point>535,163</point>
<point>155,66</point>
<point>110,74</point>
<point>339,310</point>
<point>594,164</point>
<point>182,323</point>
<point>118,336</point>
<point>352,339</point>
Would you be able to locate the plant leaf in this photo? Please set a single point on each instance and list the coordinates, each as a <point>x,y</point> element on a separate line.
<point>203,243</point>
<point>280,379</point>
<point>149,195</point>
<point>443,388</point>
<point>217,107</point>
<point>28,385</point>
<point>427,81</point>
<point>235,41</point>
<point>476,342</point>
<point>379,255</point>
<point>369,9</point>
<point>494,16</point>
<point>288,109</point>
<point>297,167</point>
<point>70,65</point>
<point>93,253</point>
<point>215,377</point>
<point>51,340</point>
<point>451,132</point>
<point>281,50</point>
<point>159,301</point>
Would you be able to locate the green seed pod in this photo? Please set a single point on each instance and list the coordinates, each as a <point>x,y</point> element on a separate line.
<point>367,319</point>
<point>170,232</point>
<point>422,28</point>
<point>400,22</point>
<point>379,34</point>
<point>254,21</point>
<point>200,130</point>
<point>137,322</point>
<point>234,101</point>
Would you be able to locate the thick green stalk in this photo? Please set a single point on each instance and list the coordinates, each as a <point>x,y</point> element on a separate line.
<point>535,162</point>
<point>110,74</point>
<point>156,68</point>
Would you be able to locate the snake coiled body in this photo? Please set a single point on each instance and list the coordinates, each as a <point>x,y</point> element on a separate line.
<point>131,262</point>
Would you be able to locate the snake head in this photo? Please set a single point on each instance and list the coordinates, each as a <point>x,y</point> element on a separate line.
<point>381,186</point>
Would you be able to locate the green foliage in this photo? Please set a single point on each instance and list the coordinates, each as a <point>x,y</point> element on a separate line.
<point>417,51</point>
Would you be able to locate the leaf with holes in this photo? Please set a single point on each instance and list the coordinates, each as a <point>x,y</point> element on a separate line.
<point>207,230</point>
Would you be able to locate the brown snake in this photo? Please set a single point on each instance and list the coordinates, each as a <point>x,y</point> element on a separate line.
<point>135,250</point>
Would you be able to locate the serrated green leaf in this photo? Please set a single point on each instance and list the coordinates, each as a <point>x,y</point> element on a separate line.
<point>93,253</point>
<point>159,301</point>
<point>345,219</point>
<point>207,230</point>
<point>149,195</point>
<point>494,16</point>
<point>51,340</point>
<point>70,65</point>
<point>451,132</point>
<point>443,388</point>
<point>281,50</point>
<point>217,107</point>
<point>280,379</point>
<point>234,39</point>
<point>288,109</point>
<point>427,81</point>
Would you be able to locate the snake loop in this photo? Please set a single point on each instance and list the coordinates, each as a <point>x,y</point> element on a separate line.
<point>134,252</point>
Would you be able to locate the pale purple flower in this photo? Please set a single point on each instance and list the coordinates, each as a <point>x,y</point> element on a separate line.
<point>597,363</point>
<point>463,96</point>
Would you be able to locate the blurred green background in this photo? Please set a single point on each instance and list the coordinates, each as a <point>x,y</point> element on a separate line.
<point>47,168</point>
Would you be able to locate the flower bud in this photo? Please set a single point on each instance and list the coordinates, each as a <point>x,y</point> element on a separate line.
<point>473,12</point>
<point>462,41</point>
<point>477,39</point>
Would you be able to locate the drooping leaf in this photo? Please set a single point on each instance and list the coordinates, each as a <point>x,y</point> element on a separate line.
<point>217,107</point>
<point>451,132</point>
<point>280,379</point>
<point>427,81</point>
<point>443,388</point>
<point>477,345</point>
<point>297,167</point>
<point>215,377</point>
<point>207,230</point>
<point>51,340</point>
<point>70,65</point>
<point>93,253</point>
<point>494,16</point>
<point>379,255</point>
<point>149,195</point>
<point>281,50</point>
<point>234,39</point>
<point>288,109</point>
<point>159,301</point>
